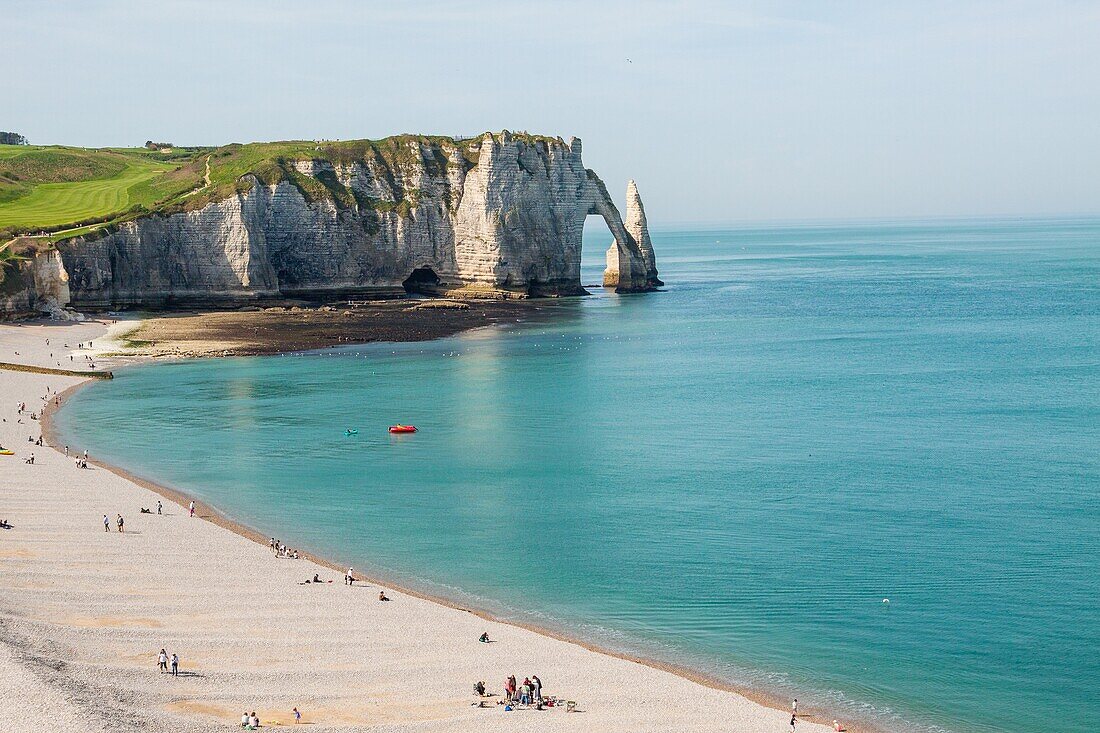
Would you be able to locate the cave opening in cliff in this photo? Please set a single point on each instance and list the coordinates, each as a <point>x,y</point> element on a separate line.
<point>422,280</point>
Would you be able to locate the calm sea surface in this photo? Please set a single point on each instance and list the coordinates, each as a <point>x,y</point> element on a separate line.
<point>731,474</point>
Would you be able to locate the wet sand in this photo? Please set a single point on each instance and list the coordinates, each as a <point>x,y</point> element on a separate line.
<point>280,329</point>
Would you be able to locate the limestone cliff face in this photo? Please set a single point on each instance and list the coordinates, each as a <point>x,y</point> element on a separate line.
<point>43,287</point>
<point>501,217</point>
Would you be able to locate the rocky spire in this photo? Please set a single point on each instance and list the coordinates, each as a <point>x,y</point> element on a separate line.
<point>639,229</point>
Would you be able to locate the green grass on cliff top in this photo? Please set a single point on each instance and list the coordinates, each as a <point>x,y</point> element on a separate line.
<point>71,191</point>
<point>48,187</point>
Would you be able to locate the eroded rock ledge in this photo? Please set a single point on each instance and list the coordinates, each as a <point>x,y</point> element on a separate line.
<point>504,221</point>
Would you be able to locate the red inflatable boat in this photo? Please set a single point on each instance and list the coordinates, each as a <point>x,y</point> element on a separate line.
<point>402,428</point>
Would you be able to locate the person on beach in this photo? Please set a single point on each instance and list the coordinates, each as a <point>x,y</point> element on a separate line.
<point>66,451</point>
<point>253,721</point>
<point>297,716</point>
<point>159,506</point>
<point>793,719</point>
<point>162,661</point>
<point>484,638</point>
<point>382,595</point>
<point>510,687</point>
<point>120,522</point>
<point>175,664</point>
<point>85,455</point>
<point>349,576</point>
<point>794,707</point>
<point>244,719</point>
<point>271,545</point>
<point>191,509</point>
<point>106,523</point>
<point>536,685</point>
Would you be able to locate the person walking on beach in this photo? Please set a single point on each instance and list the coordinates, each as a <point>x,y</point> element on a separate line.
<point>271,545</point>
<point>793,719</point>
<point>106,523</point>
<point>175,664</point>
<point>794,707</point>
<point>162,661</point>
<point>119,520</point>
<point>191,509</point>
<point>297,716</point>
<point>159,506</point>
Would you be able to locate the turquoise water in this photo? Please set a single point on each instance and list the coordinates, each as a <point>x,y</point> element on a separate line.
<point>733,473</point>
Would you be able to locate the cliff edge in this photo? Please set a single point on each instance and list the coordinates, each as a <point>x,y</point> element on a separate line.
<point>500,215</point>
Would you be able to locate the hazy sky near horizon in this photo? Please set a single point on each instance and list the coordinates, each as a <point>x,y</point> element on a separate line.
<point>721,111</point>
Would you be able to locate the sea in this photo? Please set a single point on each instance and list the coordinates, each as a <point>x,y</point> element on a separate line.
<point>853,463</point>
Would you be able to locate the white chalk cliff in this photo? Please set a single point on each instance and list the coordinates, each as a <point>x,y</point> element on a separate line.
<point>498,216</point>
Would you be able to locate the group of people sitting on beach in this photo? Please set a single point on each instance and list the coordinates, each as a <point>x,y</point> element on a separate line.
<point>516,695</point>
<point>251,721</point>
<point>281,550</point>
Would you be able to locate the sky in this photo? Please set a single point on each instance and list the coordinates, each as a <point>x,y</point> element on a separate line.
<point>721,111</point>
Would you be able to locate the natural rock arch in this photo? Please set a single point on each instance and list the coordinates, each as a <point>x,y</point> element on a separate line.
<point>499,216</point>
<point>631,265</point>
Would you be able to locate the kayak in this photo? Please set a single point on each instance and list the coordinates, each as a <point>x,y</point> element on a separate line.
<point>7,452</point>
<point>402,428</point>
<point>351,431</point>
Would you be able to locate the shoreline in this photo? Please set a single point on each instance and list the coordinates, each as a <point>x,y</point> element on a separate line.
<point>209,513</point>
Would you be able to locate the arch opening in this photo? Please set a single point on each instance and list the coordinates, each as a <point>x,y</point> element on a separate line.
<point>423,280</point>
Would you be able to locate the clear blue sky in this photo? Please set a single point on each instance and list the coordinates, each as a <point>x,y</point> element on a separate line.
<point>725,111</point>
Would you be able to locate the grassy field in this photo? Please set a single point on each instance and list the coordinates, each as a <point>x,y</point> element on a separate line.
<point>46,188</point>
